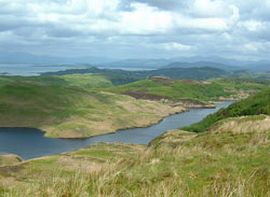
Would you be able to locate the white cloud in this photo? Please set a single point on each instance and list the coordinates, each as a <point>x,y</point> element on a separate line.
<point>176,46</point>
<point>210,8</point>
<point>211,24</point>
<point>103,15</point>
<point>252,47</point>
<point>252,25</point>
<point>205,25</point>
<point>144,19</point>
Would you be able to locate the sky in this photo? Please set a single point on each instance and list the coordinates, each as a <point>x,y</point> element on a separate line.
<point>238,29</point>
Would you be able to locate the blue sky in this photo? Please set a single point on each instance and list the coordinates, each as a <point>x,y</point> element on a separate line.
<point>237,29</point>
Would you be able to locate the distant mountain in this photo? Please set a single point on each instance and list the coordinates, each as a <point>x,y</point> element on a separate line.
<point>190,62</point>
<point>139,63</point>
<point>201,64</point>
<point>261,66</point>
<point>222,60</point>
<point>183,62</point>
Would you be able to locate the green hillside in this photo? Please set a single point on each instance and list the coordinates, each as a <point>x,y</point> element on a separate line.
<point>172,89</point>
<point>242,84</point>
<point>71,106</point>
<point>254,105</point>
<point>161,87</point>
<point>83,105</point>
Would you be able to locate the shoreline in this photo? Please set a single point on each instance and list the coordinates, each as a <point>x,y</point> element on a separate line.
<point>102,134</point>
<point>211,105</point>
<point>67,152</point>
<point>185,109</point>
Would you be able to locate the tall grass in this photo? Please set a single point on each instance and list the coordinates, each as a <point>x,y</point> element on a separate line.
<point>176,164</point>
<point>108,184</point>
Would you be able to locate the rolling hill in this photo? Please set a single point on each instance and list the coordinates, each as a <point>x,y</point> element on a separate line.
<point>70,106</point>
<point>254,105</point>
<point>156,88</point>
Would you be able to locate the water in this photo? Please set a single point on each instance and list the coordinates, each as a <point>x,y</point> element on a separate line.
<point>33,69</point>
<point>30,143</point>
<point>37,69</point>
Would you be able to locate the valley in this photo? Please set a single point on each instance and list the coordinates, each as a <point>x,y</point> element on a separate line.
<point>85,105</point>
<point>134,98</point>
<point>219,162</point>
<point>224,154</point>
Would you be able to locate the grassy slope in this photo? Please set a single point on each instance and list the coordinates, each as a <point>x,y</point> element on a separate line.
<point>254,105</point>
<point>9,159</point>
<point>176,164</point>
<point>187,89</point>
<point>174,90</point>
<point>232,84</point>
<point>70,106</point>
<point>77,80</point>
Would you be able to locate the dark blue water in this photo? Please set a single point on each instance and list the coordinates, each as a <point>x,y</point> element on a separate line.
<point>30,143</point>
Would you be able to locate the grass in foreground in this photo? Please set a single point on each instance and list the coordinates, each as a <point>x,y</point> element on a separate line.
<point>223,163</point>
<point>9,159</point>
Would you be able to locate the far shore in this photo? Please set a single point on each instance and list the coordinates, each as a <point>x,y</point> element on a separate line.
<point>210,105</point>
<point>21,161</point>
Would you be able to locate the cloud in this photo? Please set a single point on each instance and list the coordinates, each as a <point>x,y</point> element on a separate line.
<point>135,28</point>
<point>252,25</point>
<point>176,46</point>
